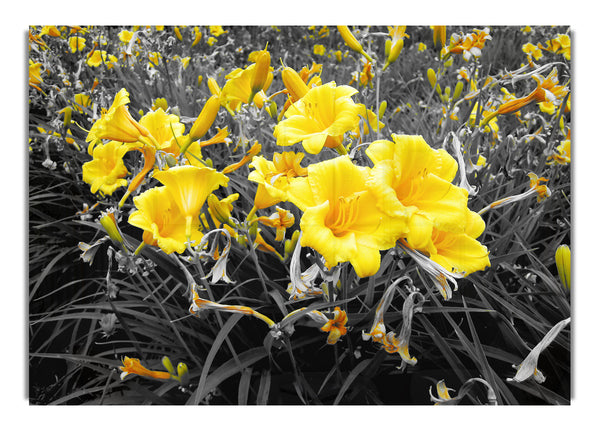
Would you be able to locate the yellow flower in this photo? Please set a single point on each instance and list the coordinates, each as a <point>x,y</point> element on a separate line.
<point>133,366</point>
<point>211,41</point>
<point>274,177</point>
<point>96,58</point>
<point>50,30</point>
<point>35,72</point>
<point>217,30</point>
<point>163,222</point>
<point>532,50</point>
<point>117,124</point>
<point>238,88</point>
<point>340,220</point>
<point>125,36</point>
<point>562,156</point>
<point>76,43</point>
<point>395,45</point>
<point>190,186</point>
<point>410,178</point>
<point>81,101</point>
<point>319,49</point>
<point>106,172</point>
<point>352,42</point>
<point>164,128</point>
<point>320,118</point>
<point>154,58</point>
<point>470,45</point>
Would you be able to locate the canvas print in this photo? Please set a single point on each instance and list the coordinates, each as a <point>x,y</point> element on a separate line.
<point>299,215</point>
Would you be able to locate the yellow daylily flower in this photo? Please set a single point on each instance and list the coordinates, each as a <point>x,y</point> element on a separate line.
<point>274,177</point>
<point>320,118</point>
<point>340,220</point>
<point>35,75</point>
<point>106,172</point>
<point>395,44</point>
<point>164,128</point>
<point>409,177</point>
<point>190,186</point>
<point>217,30</point>
<point>238,88</point>
<point>163,222</point>
<point>76,43</point>
<point>117,124</point>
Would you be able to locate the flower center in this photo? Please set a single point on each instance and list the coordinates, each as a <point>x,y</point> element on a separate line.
<point>343,214</point>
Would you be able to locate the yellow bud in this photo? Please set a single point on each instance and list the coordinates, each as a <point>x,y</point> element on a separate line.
<point>351,41</point>
<point>206,118</point>
<point>67,111</point>
<point>388,47</point>
<point>395,51</point>
<point>178,33</point>
<point>294,84</point>
<point>272,109</point>
<point>109,223</point>
<point>458,90</point>
<point>290,244</point>
<point>168,365</point>
<point>447,92</point>
<point>431,77</point>
<point>183,374</point>
<point>218,209</point>
<point>449,62</point>
<point>563,265</point>
<point>161,102</point>
<point>261,71</point>
<point>382,109</point>
<point>200,80</point>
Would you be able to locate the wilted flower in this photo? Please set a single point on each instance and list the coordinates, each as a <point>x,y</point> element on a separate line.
<point>133,366</point>
<point>336,326</point>
<point>528,368</point>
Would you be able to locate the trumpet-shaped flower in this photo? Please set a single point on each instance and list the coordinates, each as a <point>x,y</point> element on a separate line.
<point>320,118</point>
<point>106,172</point>
<point>340,220</point>
<point>117,124</point>
<point>190,186</point>
<point>163,222</point>
<point>35,72</point>
<point>238,88</point>
<point>274,177</point>
<point>165,128</point>
<point>411,179</point>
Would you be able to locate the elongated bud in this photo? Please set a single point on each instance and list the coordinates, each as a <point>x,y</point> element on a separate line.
<point>67,111</point>
<point>290,244</point>
<point>563,265</point>
<point>261,71</point>
<point>218,209</point>
<point>431,77</point>
<point>168,365</point>
<point>388,47</point>
<point>183,374</point>
<point>109,223</point>
<point>171,160</point>
<point>351,41</point>
<point>272,109</point>
<point>178,33</point>
<point>295,85</point>
<point>458,90</point>
<point>382,109</point>
<point>395,51</point>
<point>206,118</point>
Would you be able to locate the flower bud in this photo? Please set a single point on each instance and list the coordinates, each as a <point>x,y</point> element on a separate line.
<point>206,118</point>
<point>67,111</point>
<point>109,223</point>
<point>563,265</point>
<point>272,109</point>
<point>295,85</point>
<point>458,90</point>
<point>351,41</point>
<point>382,109</point>
<point>168,365</point>
<point>431,77</point>
<point>213,87</point>
<point>261,71</point>
<point>183,374</point>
